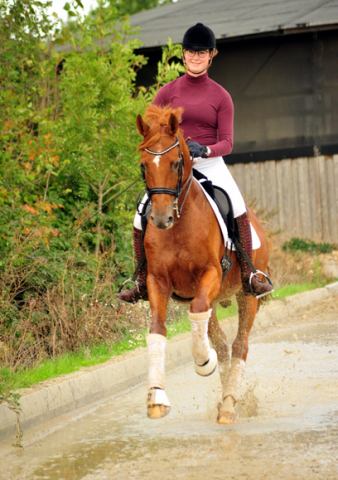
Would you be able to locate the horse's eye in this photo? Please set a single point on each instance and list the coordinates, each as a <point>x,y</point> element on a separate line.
<point>176,164</point>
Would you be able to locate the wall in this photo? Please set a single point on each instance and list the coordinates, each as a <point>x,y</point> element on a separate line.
<point>285,92</point>
<point>301,194</point>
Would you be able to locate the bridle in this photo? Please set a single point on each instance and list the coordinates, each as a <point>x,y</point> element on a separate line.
<point>179,188</point>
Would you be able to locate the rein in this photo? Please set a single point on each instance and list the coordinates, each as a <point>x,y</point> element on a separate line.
<point>179,188</point>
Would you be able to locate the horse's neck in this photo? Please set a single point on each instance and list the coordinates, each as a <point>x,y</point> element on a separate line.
<point>195,200</point>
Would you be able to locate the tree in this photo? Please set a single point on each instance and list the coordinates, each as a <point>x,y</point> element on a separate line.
<point>27,96</point>
<point>130,7</point>
<point>98,107</point>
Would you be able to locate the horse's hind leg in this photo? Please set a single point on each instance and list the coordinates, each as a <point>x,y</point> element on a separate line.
<point>219,343</point>
<point>247,308</point>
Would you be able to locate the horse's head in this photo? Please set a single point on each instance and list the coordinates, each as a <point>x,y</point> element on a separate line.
<point>165,162</point>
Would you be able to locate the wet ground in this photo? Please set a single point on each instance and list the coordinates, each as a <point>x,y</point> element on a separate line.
<point>287,426</point>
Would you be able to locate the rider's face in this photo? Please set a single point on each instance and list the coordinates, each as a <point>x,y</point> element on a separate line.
<point>197,62</point>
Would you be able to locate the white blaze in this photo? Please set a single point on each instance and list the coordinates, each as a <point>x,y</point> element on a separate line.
<point>157,160</point>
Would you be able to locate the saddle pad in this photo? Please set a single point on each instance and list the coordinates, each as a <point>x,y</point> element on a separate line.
<point>256,243</point>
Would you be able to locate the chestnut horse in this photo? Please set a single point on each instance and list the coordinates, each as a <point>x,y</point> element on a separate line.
<point>184,247</point>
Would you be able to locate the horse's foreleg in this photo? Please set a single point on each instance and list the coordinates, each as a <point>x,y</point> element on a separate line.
<point>247,308</point>
<point>157,401</point>
<point>199,315</point>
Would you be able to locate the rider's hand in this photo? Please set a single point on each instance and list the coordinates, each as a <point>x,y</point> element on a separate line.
<point>197,150</point>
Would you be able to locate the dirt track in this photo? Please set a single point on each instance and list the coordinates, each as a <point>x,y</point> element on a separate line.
<point>288,425</point>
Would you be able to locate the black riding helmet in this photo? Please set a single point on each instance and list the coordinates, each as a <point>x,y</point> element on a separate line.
<point>199,37</point>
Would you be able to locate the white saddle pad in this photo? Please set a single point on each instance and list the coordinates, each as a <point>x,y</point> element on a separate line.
<point>256,243</point>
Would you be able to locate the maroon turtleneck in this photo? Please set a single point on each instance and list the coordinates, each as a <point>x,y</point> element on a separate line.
<point>208,111</point>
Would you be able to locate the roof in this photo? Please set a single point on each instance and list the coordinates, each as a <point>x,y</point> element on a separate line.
<point>232,18</point>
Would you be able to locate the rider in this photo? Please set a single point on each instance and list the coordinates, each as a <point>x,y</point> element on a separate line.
<point>208,120</point>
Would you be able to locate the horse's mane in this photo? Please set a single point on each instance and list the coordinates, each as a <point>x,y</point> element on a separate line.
<point>157,118</point>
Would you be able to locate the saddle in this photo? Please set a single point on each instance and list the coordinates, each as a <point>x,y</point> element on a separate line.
<point>223,202</point>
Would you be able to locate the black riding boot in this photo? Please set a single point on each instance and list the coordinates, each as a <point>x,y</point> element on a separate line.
<point>137,292</point>
<point>258,287</point>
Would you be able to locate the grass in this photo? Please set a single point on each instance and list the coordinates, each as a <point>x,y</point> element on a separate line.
<point>292,289</point>
<point>72,362</point>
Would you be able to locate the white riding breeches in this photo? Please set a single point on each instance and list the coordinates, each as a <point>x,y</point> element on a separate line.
<point>218,173</point>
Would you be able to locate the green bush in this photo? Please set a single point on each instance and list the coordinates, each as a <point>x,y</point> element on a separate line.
<point>308,246</point>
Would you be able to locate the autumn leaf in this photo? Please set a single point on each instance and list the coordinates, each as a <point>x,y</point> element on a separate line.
<point>31,210</point>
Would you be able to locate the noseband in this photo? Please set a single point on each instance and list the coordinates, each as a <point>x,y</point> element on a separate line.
<point>171,191</point>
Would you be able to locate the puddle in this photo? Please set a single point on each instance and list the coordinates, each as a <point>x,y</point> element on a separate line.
<point>123,458</point>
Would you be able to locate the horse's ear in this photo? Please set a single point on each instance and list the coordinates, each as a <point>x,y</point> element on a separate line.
<point>173,124</point>
<point>142,126</point>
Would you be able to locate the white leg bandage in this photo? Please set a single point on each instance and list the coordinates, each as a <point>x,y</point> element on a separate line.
<point>224,369</point>
<point>156,351</point>
<point>157,397</point>
<point>235,373</point>
<point>201,350</point>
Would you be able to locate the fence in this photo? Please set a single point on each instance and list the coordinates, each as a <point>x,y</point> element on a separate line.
<point>300,194</point>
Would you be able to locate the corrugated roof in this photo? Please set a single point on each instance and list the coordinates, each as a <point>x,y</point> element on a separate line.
<point>231,18</point>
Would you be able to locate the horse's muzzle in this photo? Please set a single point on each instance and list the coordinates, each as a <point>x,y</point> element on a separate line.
<point>162,220</point>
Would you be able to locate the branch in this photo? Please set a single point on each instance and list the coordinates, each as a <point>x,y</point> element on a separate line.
<point>94,188</point>
<point>114,186</point>
<point>105,181</point>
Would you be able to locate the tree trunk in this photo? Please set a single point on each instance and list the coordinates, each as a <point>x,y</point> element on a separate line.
<point>98,225</point>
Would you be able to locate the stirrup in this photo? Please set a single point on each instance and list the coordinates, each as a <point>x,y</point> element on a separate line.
<point>130,280</point>
<point>254,274</point>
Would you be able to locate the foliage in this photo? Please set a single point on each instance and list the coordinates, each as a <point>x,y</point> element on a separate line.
<point>27,157</point>
<point>130,7</point>
<point>309,246</point>
<point>167,70</point>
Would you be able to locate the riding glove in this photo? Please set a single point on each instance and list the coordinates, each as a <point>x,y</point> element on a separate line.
<point>197,150</point>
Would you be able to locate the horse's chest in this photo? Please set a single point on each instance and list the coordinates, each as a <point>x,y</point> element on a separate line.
<point>177,254</point>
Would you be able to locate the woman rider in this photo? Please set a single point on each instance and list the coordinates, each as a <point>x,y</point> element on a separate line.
<point>208,120</point>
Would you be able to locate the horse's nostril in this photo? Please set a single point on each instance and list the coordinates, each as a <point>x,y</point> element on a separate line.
<point>152,217</point>
<point>170,219</point>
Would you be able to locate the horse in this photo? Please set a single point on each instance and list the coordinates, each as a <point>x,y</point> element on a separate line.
<point>184,246</point>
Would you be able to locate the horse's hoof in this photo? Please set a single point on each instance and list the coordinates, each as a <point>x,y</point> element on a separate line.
<point>157,403</point>
<point>158,411</point>
<point>209,367</point>
<point>226,418</point>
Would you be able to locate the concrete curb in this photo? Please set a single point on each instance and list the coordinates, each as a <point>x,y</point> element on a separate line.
<point>58,396</point>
